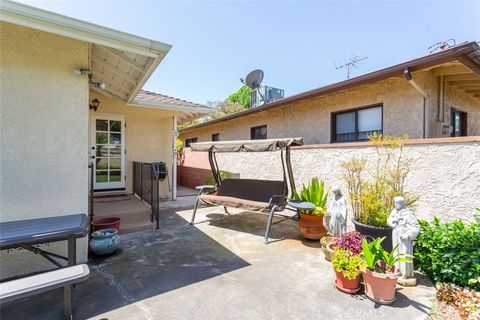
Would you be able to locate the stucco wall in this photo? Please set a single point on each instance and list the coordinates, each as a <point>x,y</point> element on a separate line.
<point>310,119</point>
<point>44,134</point>
<point>149,136</point>
<point>446,175</point>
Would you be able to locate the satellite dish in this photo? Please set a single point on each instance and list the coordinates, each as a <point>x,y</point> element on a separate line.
<point>254,79</point>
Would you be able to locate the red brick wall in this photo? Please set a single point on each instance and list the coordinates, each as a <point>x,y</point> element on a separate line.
<point>191,176</point>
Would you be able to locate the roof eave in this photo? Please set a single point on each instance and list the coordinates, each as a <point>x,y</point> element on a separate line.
<point>43,20</point>
<point>379,75</point>
<point>170,107</point>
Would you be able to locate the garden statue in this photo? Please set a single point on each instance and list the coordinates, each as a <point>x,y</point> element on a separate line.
<point>336,216</point>
<point>405,230</point>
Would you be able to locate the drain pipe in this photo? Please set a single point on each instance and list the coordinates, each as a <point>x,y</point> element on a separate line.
<point>409,77</point>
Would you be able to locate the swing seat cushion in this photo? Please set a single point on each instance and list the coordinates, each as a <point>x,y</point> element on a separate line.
<point>248,194</point>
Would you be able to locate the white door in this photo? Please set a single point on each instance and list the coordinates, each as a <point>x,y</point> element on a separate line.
<point>107,152</point>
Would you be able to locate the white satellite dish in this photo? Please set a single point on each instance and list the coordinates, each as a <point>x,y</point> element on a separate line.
<point>254,79</point>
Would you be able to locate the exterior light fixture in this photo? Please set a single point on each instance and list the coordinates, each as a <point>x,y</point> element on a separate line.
<point>94,104</point>
<point>96,84</point>
<point>81,71</point>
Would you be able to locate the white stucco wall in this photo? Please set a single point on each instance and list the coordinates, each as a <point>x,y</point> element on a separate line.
<point>148,136</point>
<point>44,135</point>
<point>446,176</point>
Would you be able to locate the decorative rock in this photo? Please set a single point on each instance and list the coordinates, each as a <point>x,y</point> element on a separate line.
<point>405,230</point>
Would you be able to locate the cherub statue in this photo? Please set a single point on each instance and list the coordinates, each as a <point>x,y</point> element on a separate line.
<point>405,230</point>
<point>335,219</point>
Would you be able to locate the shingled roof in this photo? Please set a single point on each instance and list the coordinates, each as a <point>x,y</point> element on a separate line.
<point>144,95</point>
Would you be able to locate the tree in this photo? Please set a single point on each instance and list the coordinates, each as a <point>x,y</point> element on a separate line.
<point>241,96</point>
<point>225,108</point>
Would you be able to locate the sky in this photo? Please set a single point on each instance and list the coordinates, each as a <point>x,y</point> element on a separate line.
<point>296,44</point>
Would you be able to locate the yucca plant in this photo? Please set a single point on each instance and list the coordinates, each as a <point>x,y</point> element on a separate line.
<point>314,192</point>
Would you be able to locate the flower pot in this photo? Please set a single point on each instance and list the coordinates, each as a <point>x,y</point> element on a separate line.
<point>331,248</point>
<point>106,223</point>
<point>380,287</point>
<point>325,241</point>
<point>375,232</point>
<point>345,285</point>
<point>312,226</point>
<point>105,241</point>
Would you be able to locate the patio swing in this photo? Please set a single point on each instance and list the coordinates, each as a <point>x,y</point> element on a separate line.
<point>267,196</point>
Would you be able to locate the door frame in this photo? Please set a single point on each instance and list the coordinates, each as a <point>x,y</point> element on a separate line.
<point>108,186</point>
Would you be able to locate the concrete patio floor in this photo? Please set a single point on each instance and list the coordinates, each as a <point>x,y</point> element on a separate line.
<point>217,269</point>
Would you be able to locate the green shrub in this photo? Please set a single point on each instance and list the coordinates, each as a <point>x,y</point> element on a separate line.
<point>351,265</point>
<point>223,174</point>
<point>374,183</point>
<point>449,252</point>
<point>315,193</point>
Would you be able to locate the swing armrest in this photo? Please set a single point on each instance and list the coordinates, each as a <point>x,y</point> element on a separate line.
<point>277,199</point>
<point>202,188</point>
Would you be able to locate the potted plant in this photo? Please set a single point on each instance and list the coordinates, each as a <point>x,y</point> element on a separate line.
<point>325,242</point>
<point>380,275</point>
<point>351,241</point>
<point>372,186</point>
<point>348,270</point>
<point>311,221</point>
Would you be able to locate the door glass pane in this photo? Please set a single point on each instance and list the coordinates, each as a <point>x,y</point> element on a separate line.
<point>101,125</point>
<point>115,138</point>
<point>102,151</point>
<point>115,126</point>
<point>102,163</point>
<point>115,151</point>
<point>115,176</point>
<point>115,163</point>
<point>101,138</point>
<point>101,176</point>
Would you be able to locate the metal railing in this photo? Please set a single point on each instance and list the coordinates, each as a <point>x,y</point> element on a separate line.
<point>146,185</point>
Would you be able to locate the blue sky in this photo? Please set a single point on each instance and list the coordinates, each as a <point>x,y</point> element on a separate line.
<point>296,43</point>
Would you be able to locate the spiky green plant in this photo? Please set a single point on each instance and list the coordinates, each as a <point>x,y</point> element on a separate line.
<point>314,192</point>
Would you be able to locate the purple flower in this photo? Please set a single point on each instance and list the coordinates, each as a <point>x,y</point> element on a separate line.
<point>350,241</point>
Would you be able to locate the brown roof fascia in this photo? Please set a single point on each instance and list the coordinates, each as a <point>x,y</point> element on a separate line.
<point>430,60</point>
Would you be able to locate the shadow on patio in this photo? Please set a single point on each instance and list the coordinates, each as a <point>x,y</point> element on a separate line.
<point>148,263</point>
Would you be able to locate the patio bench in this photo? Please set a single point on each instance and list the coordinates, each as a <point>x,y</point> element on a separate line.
<point>31,285</point>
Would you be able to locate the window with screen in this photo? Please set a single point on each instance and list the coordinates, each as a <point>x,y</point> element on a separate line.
<point>216,137</point>
<point>190,141</point>
<point>258,133</point>
<point>356,125</point>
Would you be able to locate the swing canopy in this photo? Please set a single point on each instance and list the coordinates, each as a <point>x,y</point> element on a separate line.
<point>247,145</point>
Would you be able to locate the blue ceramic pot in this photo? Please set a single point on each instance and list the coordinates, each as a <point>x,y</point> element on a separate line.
<point>104,241</point>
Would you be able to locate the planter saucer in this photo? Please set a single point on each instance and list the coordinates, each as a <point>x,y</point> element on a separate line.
<point>350,291</point>
<point>380,301</point>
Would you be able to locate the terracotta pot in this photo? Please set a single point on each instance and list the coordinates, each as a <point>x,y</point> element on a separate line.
<point>325,241</point>
<point>312,226</point>
<point>380,287</point>
<point>106,223</point>
<point>345,285</point>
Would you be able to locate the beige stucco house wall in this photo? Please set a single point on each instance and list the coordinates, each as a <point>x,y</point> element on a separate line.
<point>149,135</point>
<point>44,134</point>
<point>311,118</point>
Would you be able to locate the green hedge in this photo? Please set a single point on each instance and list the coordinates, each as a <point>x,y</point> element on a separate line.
<point>449,252</point>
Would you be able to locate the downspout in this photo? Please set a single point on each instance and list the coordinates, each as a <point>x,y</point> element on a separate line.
<point>174,164</point>
<point>420,90</point>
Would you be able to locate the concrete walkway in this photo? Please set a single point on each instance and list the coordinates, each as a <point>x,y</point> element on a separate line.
<point>217,269</point>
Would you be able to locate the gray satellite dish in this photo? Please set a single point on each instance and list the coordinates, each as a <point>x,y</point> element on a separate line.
<point>254,79</point>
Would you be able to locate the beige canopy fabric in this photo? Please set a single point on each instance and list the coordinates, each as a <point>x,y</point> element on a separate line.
<point>246,145</point>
